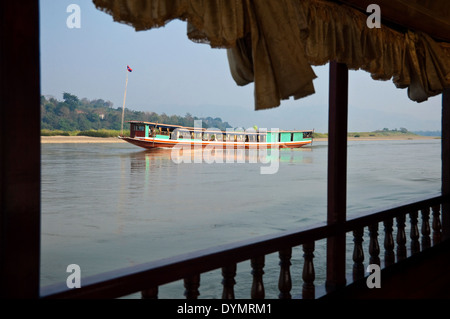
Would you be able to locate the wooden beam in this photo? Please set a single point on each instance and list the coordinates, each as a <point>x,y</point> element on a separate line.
<point>446,162</point>
<point>337,172</point>
<point>19,149</point>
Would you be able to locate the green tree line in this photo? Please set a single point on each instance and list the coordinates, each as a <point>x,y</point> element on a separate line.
<point>74,114</point>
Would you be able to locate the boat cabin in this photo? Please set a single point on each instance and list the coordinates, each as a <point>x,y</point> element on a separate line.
<point>144,130</point>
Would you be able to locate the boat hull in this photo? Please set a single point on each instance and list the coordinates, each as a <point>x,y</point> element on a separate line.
<point>150,143</point>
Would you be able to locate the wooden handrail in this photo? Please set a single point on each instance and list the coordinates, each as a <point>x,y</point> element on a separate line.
<point>135,278</point>
<point>370,217</point>
<point>129,280</point>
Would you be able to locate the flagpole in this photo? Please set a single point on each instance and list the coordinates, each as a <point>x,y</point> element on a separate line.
<point>124,98</point>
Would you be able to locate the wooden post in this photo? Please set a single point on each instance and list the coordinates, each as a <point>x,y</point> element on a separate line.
<point>446,162</point>
<point>337,172</point>
<point>150,293</point>
<point>374,246</point>
<point>191,284</point>
<point>389,255</point>
<point>308,274</point>
<point>414,233</point>
<point>285,280</point>
<point>257,265</point>
<point>401,237</point>
<point>19,150</point>
<point>425,229</point>
<point>358,254</point>
<point>436,224</point>
<point>228,282</point>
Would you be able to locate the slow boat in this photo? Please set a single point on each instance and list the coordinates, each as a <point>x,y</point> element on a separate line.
<point>151,135</point>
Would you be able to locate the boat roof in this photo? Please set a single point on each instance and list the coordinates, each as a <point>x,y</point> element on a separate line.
<point>162,125</point>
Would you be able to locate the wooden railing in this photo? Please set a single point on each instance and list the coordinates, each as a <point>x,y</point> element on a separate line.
<point>146,278</point>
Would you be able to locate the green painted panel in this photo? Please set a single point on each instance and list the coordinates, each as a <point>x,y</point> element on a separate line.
<point>146,131</point>
<point>272,137</point>
<point>285,137</point>
<point>165,137</point>
<point>298,136</point>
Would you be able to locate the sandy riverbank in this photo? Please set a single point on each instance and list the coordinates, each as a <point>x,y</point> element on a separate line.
<point>87,139</point>
<point>78,139</point>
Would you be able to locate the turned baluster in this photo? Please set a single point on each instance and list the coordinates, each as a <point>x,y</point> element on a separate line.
<point>191,284</point>
<point>257,272</point>
<point>436,225</point>
<point>374,247</point>
<point>426,240</point>
<point>284,281</point>
<point>415,244</point>
<point>228,282</point>
<point>358,254</point>
<point>401,237</point>
<point>308,275</point>
<point>389,256</point>
<point>150,293</point>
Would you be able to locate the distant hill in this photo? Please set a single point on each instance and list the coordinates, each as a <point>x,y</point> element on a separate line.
<point>428,133</point>
<point>74,114</point>
<point>402,132</point>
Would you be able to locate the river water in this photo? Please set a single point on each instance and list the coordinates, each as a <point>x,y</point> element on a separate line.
<point>112,205</point>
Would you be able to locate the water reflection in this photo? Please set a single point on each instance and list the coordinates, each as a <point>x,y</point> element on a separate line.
<point>156,158</point>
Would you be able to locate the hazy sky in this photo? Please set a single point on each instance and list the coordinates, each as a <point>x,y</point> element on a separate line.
<point>171,74</point>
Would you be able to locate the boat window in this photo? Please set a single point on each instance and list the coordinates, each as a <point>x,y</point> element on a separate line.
<point>307,134</point>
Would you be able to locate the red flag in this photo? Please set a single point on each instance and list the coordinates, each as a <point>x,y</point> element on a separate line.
<point>129,69</point>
